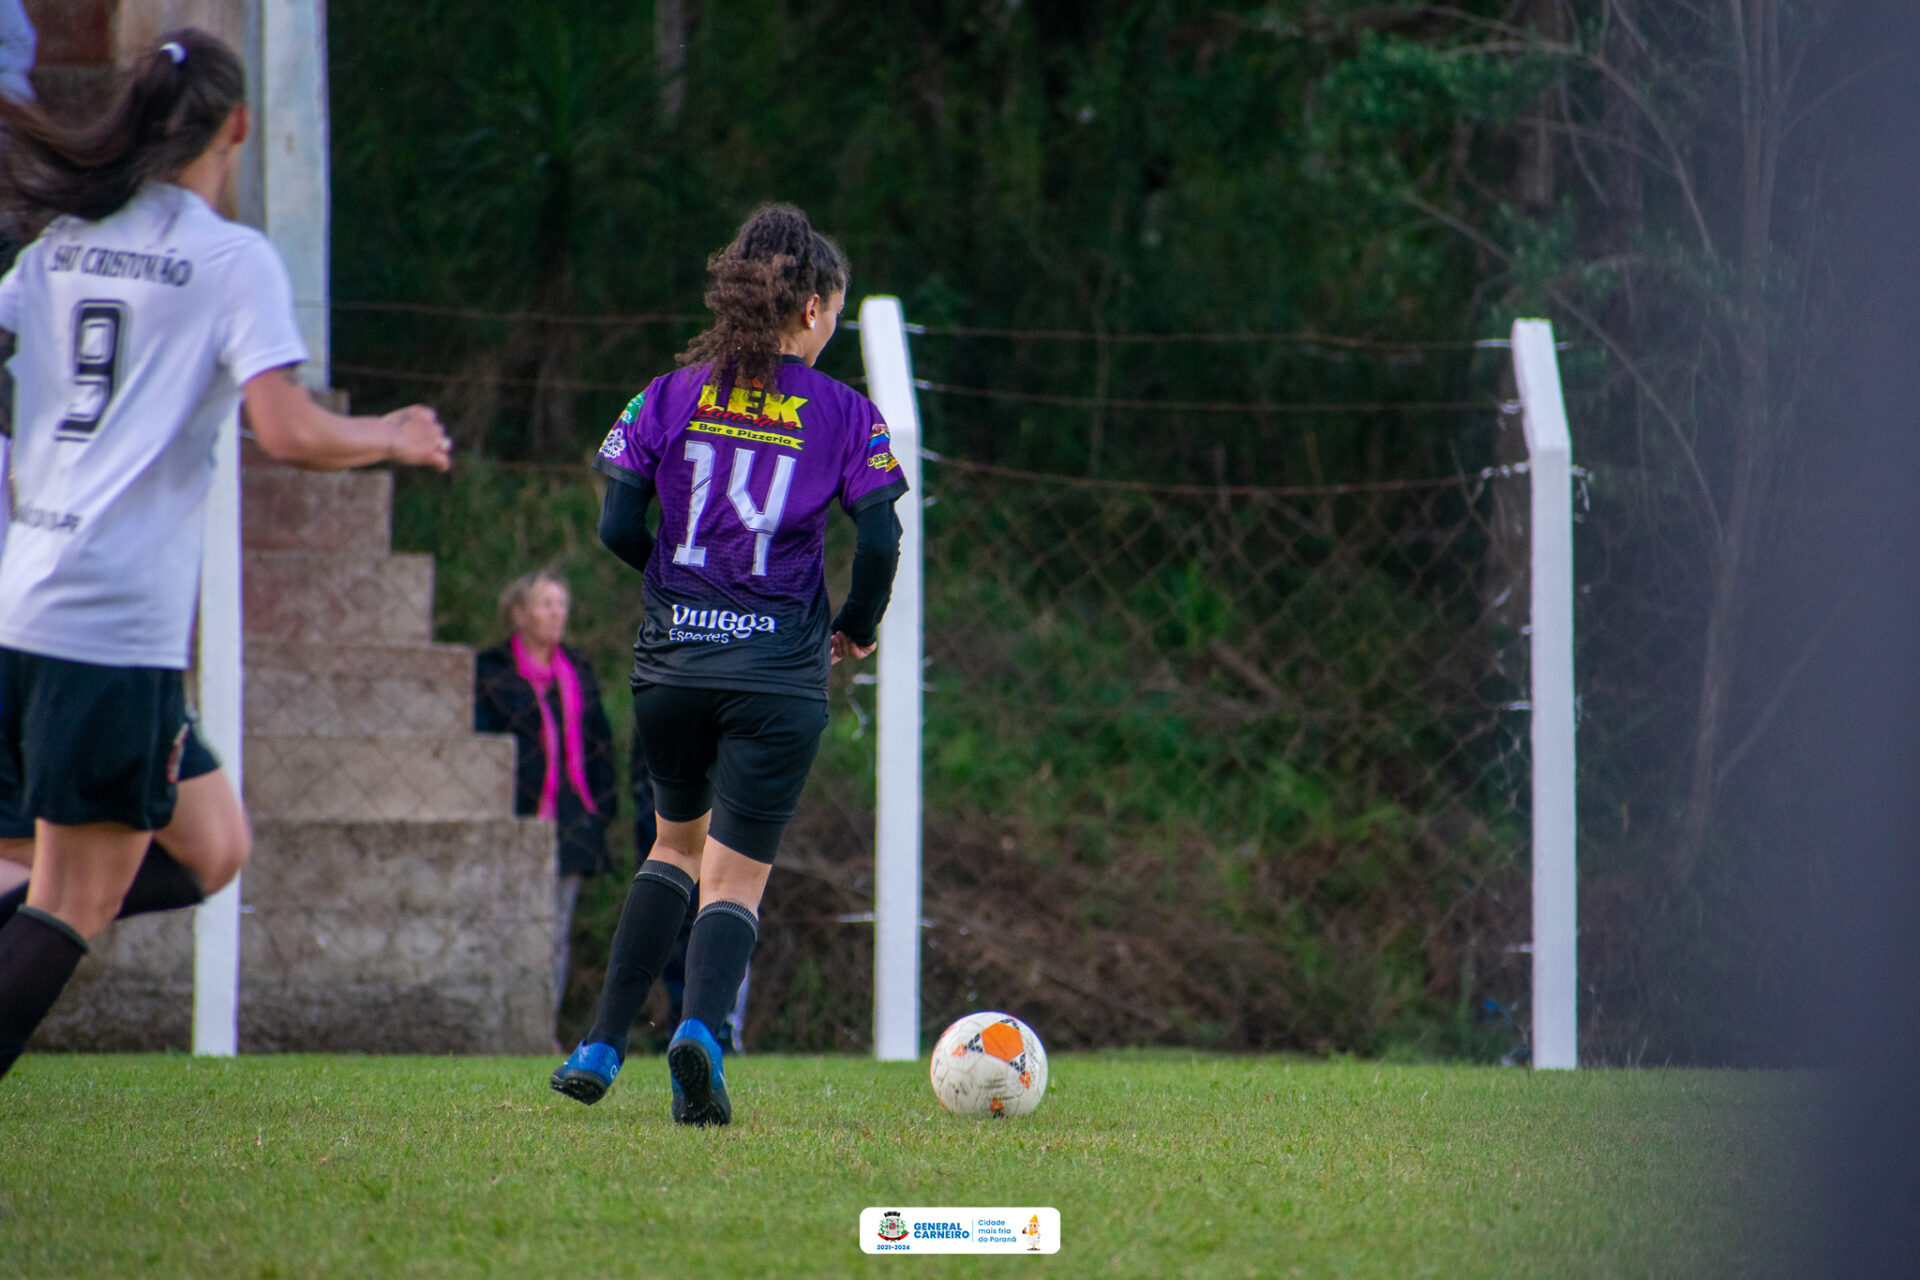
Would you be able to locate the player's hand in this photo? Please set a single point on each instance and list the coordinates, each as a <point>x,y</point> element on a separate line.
<point>418,439</point>
<point>841,647</point>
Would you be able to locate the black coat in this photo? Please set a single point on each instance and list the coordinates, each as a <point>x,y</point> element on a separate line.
<point>503,702</point>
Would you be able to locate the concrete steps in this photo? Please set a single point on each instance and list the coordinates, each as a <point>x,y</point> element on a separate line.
<point>315,778</point>
<point>338,598</point>
<point>393,903</point>
<point>367,937</point>
<point>394,690</point>
<point>344,511</point>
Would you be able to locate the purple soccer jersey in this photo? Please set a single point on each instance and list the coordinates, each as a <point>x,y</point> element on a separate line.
<point>736,591</point>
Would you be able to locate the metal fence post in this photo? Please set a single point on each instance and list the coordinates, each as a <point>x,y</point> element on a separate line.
<point>216,922</point>
<point>1555,908</point>
<point>896,895</point>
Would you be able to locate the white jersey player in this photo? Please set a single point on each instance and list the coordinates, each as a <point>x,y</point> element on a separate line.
<point>142,320</point>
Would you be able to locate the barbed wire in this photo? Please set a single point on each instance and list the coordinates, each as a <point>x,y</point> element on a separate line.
<point>615,321</point>
<point>1227,490</point>
<point>985,393</point>
<point>1298,337</point>
<point>1209,406</point>
<point>1302,337</point>
<point>1055,480</point>
<point>428,375</point>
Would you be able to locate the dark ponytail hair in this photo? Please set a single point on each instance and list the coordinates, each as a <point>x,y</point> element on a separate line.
<point>168,112</point>
<point>757,284</point>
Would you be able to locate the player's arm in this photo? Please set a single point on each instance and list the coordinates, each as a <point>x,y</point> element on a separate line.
<point>292,428</point>
<point>623,520</point>
<point>876,556</point>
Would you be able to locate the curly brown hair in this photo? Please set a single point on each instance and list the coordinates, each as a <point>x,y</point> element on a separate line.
<point>756,285</point>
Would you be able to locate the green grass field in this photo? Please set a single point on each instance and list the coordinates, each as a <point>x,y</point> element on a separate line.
<point>1161,1164</point>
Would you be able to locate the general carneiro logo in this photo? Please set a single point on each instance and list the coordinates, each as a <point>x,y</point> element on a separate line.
<point>1023,1231</point>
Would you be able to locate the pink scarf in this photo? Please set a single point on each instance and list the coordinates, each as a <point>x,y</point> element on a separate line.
<point>542,678</point>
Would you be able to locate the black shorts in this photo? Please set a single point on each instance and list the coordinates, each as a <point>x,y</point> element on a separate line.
<point>742,756</point>
<point>81,743</point>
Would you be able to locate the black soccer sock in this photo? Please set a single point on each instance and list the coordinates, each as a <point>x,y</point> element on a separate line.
<point>37,955</point>
<point>11,901</point>
<point>649,922</point>
<point>724,934</point>
<point>161,884</point>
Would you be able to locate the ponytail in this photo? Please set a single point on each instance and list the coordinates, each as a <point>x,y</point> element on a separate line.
<point>756,285</point>
<point>167,113</point>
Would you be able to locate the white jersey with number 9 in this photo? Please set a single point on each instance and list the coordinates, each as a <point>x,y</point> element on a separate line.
<point>134,337</point>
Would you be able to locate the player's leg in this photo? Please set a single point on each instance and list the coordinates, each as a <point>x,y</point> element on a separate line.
<point>80,875</point>
<point>199,852</point>
<point>16,865</point>
<point>766,751</point>
<point>657,902</point>
<point>16,827</point>
<point>92,753</point>
<point>679,746</point>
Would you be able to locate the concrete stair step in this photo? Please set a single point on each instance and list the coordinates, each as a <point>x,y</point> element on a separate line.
<point>345,511</point>
<point>304,777</point>
<point>361,690</point>
<point>338,597</point>
<point>356,937</point>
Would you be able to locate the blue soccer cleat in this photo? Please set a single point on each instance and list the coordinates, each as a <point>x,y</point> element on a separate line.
<point>699,1084</point>
<point>588,1072</point>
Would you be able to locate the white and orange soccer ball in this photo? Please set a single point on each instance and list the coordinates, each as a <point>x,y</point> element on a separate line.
<point>989,1064</point>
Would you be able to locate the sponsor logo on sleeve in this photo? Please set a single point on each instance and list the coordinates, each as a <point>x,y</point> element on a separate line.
<point>880,449</point>
<point>632,410</point>
<point>616,442</point>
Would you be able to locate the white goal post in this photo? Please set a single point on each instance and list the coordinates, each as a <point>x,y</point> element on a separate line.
<point>1556,994</point>
<point>216,922</point>
<point>285,189</point>
<point>896,871</point>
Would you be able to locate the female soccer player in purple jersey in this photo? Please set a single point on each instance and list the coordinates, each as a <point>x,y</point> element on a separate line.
<point>144,321</point>
<point>747,448</point>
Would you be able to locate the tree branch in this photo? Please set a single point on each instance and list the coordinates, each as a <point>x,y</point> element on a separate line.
<point>1606,339</point>
<point>1762,721</point>
<point>1633,95</point>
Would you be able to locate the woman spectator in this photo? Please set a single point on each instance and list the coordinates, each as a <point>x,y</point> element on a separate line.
<point>544,694</point>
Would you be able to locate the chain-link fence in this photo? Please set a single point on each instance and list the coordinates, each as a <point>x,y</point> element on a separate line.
<point>1233,766</point>
<point>1252,756</point>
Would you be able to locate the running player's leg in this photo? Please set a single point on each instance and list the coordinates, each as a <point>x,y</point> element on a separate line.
<point>92,753</point>
<point>16,826</point>
<point>198,853</point>
<point>649,923</point>
<point>679,742</point>
<point>16,867</point>
<point>80,875</point>
<point>16,863</point>
<point>766,750</point>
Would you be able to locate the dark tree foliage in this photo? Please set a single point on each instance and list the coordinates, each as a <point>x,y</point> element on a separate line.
<point>1321,186</point>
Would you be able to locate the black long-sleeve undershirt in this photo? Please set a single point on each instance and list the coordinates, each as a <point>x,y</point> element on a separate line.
<point>623,522</point>
<point>876,553</point>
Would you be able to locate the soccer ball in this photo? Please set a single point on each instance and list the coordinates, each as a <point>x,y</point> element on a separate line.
<point>989,1064</point>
